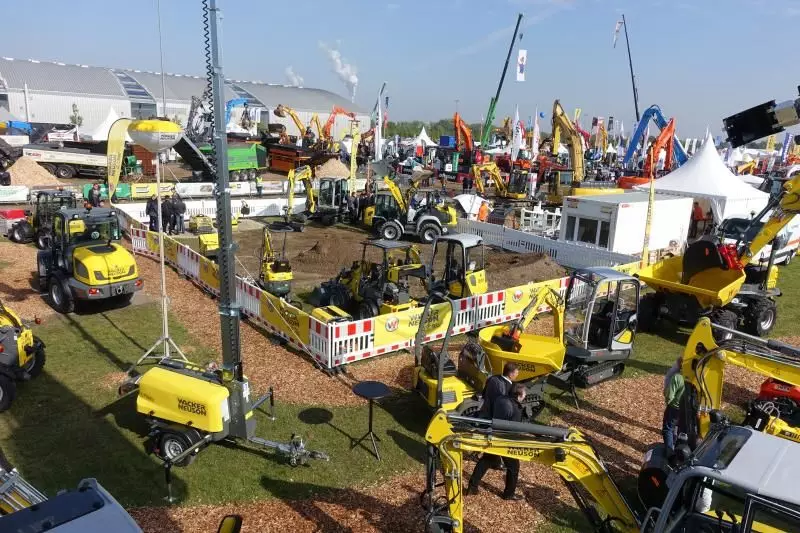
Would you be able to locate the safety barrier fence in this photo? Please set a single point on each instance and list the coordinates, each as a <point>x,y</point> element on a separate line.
<point>334,344</point>
<point>568,254</point>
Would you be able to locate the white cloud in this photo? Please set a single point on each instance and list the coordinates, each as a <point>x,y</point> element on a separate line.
<point>392,6</point>
<point>294,78</point>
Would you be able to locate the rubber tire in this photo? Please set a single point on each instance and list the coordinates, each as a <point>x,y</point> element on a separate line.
<point>42,240</point>
<point>8,391</point>
<point>725,318</point>
<point>470,407</point>
<point>64,172</point>
<point>51,168</point>
<point>426,230</point>
<point>788,260</point>
<point>754,317</point>
<point>16,235</point>
<point>37,364</point>
<point>42,279</point>
<point>646,315</point>
<point>390,232</point>
<point>181,440</point>
<point>67,304</point>
<point>366,310</point>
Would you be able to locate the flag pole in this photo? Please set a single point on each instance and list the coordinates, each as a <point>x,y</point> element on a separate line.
<point>630,64</point>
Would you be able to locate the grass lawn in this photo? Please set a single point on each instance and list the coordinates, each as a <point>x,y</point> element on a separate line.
<point>68,424</point>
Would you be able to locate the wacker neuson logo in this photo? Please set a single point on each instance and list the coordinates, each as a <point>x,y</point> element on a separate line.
<point>191,407</point>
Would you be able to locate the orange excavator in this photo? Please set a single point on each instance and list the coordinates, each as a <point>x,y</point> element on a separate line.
<point>462,133</point>
<point>662,142</point>
<point>336,111</point>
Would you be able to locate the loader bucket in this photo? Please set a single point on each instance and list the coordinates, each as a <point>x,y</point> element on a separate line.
<point>539,355</point>
<point>711,287</point>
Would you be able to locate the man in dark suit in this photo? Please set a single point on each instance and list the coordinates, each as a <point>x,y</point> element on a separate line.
<point>505,408</point>
<point>496,387</point>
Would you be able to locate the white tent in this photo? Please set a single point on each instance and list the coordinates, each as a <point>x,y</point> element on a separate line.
<point>705,177</point>
<point>562,150</point>
<point>100,133</point>
<point>422,139</point>
<point>611,149</point>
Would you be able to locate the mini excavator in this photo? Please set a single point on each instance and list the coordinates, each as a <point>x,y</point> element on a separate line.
<point>275,273</point>
<point>738,480</point>
<point>189,406</point>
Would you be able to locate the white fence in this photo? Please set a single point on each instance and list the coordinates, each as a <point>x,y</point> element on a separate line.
<point>265,207</point>
<point>572,255</point>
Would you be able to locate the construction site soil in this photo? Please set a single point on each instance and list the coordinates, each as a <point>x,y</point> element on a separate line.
<point>319,253</point>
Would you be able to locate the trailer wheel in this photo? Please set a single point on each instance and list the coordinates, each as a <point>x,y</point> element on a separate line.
<point>173,443</point>
<point>8,390</point>
<point>65,172</point>
<point>725,318</point>
<point>760,317</point>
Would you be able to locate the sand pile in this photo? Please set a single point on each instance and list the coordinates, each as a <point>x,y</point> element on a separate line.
<point>332,168</point>
<point>27,172</point>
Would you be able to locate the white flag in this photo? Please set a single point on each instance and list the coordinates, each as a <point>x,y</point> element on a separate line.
<point>516,140</point>
<point>616,32</point>
<point>535,140</point>
<point>522,63</point>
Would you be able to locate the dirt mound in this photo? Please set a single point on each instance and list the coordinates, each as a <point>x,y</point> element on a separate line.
<point>316,254</point>
<point>332,168</point>
<point>25,171</point>
<point>519,269</point>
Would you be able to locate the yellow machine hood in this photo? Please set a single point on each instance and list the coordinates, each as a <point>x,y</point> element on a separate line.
<point>104,263</point>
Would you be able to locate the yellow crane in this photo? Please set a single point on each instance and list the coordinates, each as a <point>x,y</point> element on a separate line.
<point>515,189</point>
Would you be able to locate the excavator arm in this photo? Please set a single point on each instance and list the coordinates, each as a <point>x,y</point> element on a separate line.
<point>662,142</point>
<point>653,113</point>
<point>565,450</point>
<point>326,130</point>
<point>494,173</point>
<point>284,111</point>
<point>781,208</point>
<point>704,366</point>
<point>396,194</point>
<point>302,174</point>
<point>318,126</point>
<point>462,131</point>
<point>562,122</point>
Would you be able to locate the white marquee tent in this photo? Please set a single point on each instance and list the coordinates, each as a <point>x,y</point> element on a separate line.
<point>100,133</point>
<point>706,179</point>
<point>422,139</point>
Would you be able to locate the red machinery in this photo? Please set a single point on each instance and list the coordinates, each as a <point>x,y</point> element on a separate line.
<point>662,142</point>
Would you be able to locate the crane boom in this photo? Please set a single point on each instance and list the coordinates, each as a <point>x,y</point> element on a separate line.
<point>487,125</point>
<point>653,113</point>
<point>781,208</point>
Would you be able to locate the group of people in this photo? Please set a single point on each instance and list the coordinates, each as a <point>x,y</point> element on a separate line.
<point>173,210</point>
<point>356,203</point>
<point>502,400</point>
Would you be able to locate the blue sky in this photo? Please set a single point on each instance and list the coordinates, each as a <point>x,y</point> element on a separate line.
<point>699,60</point>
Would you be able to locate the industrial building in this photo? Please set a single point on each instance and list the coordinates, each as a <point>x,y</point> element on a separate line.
<point>46,91</point>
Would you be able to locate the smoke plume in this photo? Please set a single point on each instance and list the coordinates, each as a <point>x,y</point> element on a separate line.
<point>346,72</point>
<point>295,79</point>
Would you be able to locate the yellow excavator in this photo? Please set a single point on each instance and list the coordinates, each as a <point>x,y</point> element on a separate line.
<point>561,183</point>
<point>302,175</point>
<point>515,189</point>
<point>738,480</point>
<point>275,274</point>
<point>703,367</point>
<point>22,355</point>
<point>284,111</point>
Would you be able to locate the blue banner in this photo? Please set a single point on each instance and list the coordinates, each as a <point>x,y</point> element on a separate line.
<point>785,147</point>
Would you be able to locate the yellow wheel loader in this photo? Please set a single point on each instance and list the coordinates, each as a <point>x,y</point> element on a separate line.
<point>22,355</point>
<point>85,262</point>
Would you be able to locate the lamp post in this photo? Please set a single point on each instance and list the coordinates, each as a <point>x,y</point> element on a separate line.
<point>157,136</point>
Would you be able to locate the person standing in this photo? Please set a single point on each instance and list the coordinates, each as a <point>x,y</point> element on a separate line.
<point>697,217</point>
<point>352,207</point>
<point>179,208</point>
<point>496,387</point>
<point>259,185</point>
<point>94,195</point>
<point>505,408</point>
<point>483,211</point>
<point>674,387</point>
<point>151,209</point>
<point>166,215</point>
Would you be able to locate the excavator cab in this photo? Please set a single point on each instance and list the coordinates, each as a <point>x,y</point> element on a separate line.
<point>332,199</point>
<point>518,181</point>
<point>599,324</point>
<point>462,273</point>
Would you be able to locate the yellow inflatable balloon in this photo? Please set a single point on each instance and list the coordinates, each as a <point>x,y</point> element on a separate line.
<point>155,134</point>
